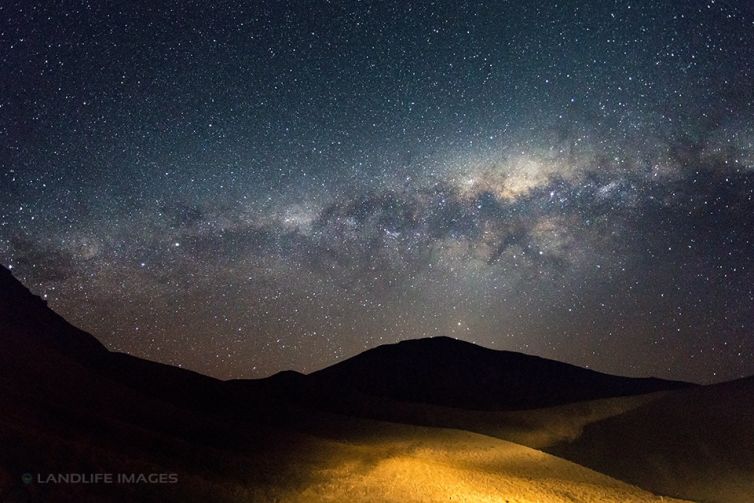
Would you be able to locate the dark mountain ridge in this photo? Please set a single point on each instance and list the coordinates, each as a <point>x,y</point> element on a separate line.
<point>26,320</point>
<point>453,373</point>
<point>439,371</point>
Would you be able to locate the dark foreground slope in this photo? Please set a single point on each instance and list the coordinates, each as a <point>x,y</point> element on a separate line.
<point>695,443</point>
<point>27,324</point>
<point>40,348</point>
<point>67,405</point>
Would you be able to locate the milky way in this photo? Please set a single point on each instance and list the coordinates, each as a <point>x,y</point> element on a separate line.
<point>241,189</point>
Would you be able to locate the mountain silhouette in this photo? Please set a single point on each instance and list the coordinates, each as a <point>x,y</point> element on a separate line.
<point>453,373</point>
<point>439,371</point>
<point>41,351</point>
<point>27,323</point>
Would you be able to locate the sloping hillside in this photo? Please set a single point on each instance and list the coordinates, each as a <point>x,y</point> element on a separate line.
<point>696,443</point>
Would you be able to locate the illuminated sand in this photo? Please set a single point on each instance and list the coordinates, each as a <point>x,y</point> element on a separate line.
<point>448,465</point>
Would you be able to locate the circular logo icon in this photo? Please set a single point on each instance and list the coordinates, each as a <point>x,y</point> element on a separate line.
<point>26,478</point>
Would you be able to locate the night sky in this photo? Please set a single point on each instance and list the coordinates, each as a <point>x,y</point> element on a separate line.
<point>242,188</point>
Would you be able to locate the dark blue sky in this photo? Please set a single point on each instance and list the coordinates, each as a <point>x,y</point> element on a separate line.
<point>241,188</point>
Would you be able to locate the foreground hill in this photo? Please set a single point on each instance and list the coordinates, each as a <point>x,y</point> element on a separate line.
<point>27,324</point>
<point>695,443</point>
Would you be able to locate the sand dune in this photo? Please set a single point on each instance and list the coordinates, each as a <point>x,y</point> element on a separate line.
<point>407,464</point>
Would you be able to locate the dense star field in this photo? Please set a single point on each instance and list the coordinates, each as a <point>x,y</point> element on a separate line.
<point>241,188</point>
